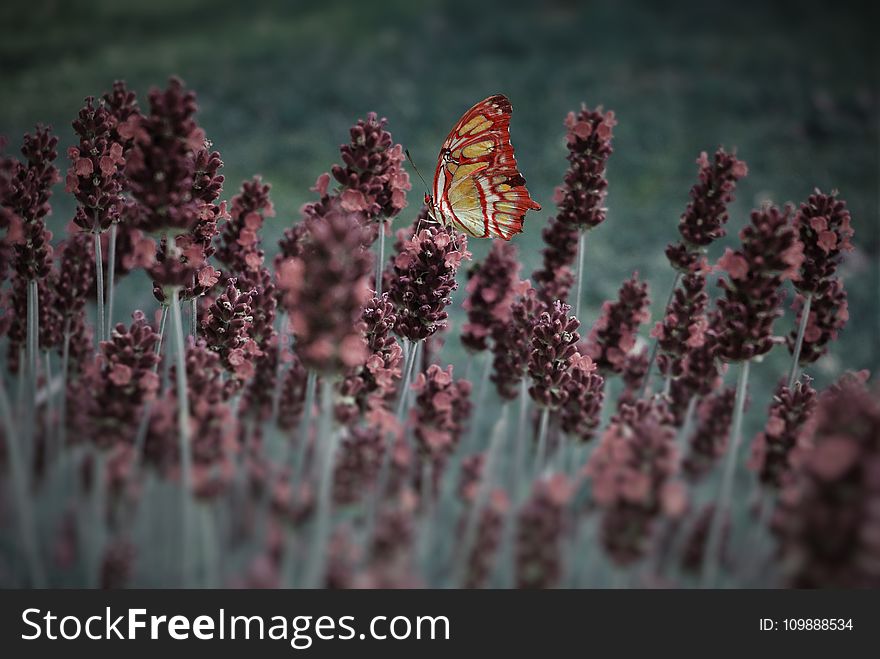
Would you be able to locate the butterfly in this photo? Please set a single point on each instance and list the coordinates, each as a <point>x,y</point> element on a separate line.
<point>477,187</point>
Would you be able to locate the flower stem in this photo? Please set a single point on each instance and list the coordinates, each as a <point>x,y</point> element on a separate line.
<point>410,348</point>
<point>305,425</point>
<point>19,478</point>
<point>183,433</point>
<point>582,241</point>
<point>380,260</point>
<point>799,342</point>
<point>474,433</point>
<point>194,313</point>
<point>279,367</point>
<point>326,448</point>
<point>62,405</point>
<point>111,278</point>
<point>711,561</point>
<point>654,344</point>
<point>100,322</point>
<point>519,448</point>
<point>540,454</point>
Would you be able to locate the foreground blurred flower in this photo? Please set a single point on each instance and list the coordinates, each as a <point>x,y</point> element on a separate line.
<point>541,525</point>
<point>586,392</point>
<point>324,291</point>
<point>633,472</point>
<point>827,520</point>
<point>513,343</point>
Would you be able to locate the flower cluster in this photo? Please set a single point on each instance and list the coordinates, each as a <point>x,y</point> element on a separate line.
<point>633,471</point>
<point>375,378</point>
<point>358,465</point>
<point>226,329</point>
<point>372,176</point>
<point>703,220</point>
<point>95,176</point>
<point>580,415</point>
<point>709,439</point>
<point>827,521</point>
<point>112,395</point>
<point>423,281</point>
<point>581,197</point>
<point>823,226</point>
<point>684,327</point>
<point>513,343</point>
<point>828,315</point>
<point>614,334</point>
<point>540,529</point>
<point>490,288</point>
<point>769,254</point>
<point>71,291</point>
<point>239,243</point>
<point>554,278</point>
<point>554,344</point>
<point>786,427</point>
<point>324,291</point>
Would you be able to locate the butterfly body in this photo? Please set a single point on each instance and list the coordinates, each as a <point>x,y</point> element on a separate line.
<point>477,187</point>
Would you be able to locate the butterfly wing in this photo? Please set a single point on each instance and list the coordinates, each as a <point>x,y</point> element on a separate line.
<point>477,187</point>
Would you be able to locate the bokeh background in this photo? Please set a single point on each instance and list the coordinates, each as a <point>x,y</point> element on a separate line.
<point>793,86</point>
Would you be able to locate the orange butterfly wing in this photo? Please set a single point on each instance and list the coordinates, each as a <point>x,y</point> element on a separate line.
<point>477,187</point>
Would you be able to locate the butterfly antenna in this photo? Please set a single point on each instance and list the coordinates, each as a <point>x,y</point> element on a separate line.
<point>412,162</point>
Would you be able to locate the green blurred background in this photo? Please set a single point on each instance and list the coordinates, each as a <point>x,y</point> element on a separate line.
<point>792,86</point>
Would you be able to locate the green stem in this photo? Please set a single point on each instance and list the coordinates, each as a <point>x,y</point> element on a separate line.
<point>541,453</point>
<point>519,448</point>
<point>21,493</point>
<point>194,313</point>
<point>380,261</point>
<point>410,349</point>
<point>183,434</point>
<point>582,240</point>
<point>326,448</point>
<point>305,425</point>
<point>799,342</point>
<point>654,344</point>
<point>62,405</point>
<point>111,278</point>
<point>481,396</point>
<point>100,322</point>
<point>712,558</point>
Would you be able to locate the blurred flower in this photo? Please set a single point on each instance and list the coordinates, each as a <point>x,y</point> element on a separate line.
<point>357,465</point>
<point>827,521</point>
<point>633,470</point>
<point>117,564</point>
<point>828,315</point>
<point>113,392</point>
<point>709,439</point>
<point>440,414</point>
<point>785,430</point>
<point>695,545</point>
<point>324,291</point>
<point>293,395</point>
<point>635,370</point>
<point>487,540</point>
<point>554,341</point>
<point>490,290</point>
<point>769,254</point>
<point>513,342</point>
<point>71,292</point>
<point>614,334</point>
<point>424,279</point>
<point>703,221</point>
<point>540,528</point>
<point>823,226</point>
